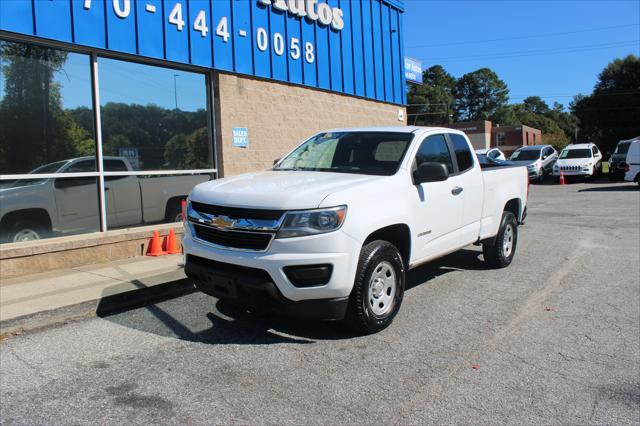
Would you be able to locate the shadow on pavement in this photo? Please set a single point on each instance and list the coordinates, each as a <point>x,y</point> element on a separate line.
<point>629,187</point>
<point>177,310</point>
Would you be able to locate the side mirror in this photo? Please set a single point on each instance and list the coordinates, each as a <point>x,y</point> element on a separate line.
<point>544,157</point>
<point>276,161</point>
<point>431,172</point>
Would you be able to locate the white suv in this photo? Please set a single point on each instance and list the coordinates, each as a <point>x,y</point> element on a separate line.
<point>584,159</point>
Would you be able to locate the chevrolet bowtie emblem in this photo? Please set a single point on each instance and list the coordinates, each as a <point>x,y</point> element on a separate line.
<point>223,222</point>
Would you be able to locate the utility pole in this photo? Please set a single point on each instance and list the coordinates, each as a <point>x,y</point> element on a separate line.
<point>175,91</point>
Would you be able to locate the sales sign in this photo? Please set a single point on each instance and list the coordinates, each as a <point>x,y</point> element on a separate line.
<point>240,137</point>
<point>413,70</point>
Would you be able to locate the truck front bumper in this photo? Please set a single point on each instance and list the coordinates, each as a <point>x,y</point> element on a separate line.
<point>255,289</point>
<point>263,275</point>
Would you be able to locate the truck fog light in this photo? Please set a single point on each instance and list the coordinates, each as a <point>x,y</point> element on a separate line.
<point>308,275</point>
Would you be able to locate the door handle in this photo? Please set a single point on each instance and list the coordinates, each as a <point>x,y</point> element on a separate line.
<point>457,190</point>
<point>106,188</point>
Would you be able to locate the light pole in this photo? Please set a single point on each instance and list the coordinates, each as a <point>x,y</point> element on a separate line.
<point>175,91</point>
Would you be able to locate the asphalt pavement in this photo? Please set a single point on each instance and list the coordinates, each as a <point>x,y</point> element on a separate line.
<point>553,339</point>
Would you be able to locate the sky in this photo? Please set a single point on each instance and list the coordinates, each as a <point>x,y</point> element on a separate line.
<point>547,48</point>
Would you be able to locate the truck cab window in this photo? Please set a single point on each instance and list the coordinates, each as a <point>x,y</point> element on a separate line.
<point>463,153</point>
<point>434,150</point>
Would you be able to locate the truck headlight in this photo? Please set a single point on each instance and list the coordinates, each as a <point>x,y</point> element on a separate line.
<point>312,222</point>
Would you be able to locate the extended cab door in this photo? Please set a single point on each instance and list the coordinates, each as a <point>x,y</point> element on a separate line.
<point>125,193</point>
<point>469,180</point>
<point>77,199</point>
<point>437,205</point>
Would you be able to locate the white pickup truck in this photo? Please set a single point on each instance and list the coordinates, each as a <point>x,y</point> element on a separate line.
<point>331,230</point>
<point>31,209</point>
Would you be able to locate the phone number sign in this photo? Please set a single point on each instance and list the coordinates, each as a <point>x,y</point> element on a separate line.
<point>332,44</point>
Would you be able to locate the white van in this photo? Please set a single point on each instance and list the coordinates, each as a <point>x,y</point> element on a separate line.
<point>632,166</point>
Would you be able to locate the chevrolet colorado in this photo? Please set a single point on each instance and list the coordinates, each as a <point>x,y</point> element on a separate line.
<point>331,230</point>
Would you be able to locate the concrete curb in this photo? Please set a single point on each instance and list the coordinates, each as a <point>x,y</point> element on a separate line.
<point>103,307</point>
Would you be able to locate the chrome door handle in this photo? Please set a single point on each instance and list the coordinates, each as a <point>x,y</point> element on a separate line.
<point>457,190</point>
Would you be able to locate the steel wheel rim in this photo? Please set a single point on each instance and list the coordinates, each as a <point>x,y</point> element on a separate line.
<point>382,288</point>
<point>178,217</point>
<point>26,235</point>
<point>507,241</point>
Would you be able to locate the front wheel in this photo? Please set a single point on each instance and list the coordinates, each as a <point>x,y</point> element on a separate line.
<point>499,252</point>
<point>378,288</point>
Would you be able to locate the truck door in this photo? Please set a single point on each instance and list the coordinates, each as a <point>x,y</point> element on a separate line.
<point>437,205</point>
<point>77,199</point>
<point>469,176</point>
<point>125,192</point>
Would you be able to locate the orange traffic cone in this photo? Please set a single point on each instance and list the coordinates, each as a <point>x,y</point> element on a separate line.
<point>171,244</point>
<point>155,246</point>
<point>562,182</point>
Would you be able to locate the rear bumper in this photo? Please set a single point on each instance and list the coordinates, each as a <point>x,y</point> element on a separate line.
<point>255,289</point>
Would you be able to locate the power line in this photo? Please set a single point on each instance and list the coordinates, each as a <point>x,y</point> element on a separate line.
<point>535,52</point>
<point>456,43</point>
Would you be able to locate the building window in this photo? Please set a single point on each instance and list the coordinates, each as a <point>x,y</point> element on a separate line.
<point>534,138</point>
<point>48,178</point>
<point>155,132</point>
<point>527,138</point>
<point>500,139</point>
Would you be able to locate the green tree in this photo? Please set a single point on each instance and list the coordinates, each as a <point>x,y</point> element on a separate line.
<point>35,129</point>
<point>611,112</point>
<point>432,102</point>
<point>479,94</point>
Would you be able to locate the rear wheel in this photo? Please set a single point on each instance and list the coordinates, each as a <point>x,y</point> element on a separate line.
<point>25,230</point>
<point>499,252</point>
<point>378,288</point>
<point>174,212</point>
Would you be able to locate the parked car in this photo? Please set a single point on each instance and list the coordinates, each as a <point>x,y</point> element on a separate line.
<point>584,159</point>
<point>491,154</point>
<point>632,162</point>
<point>539,160</point>
<point>331,230</point>
<point>31,209</point>
<point>618,159</point>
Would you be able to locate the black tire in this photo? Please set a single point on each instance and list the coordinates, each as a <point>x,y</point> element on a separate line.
<point>494,252</point>
<point>556,179</point>
<point>174,211</point>
<point>25,230</point>
<point>360,314</point>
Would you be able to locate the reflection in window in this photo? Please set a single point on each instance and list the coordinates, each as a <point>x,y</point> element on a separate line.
<point>33,209</point>
<point>154,117</point>
<point>45,107</point>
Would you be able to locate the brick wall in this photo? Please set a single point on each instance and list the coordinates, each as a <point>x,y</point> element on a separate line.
<point>279,116</point>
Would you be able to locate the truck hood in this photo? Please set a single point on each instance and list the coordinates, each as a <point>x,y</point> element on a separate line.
<point>281,190</point>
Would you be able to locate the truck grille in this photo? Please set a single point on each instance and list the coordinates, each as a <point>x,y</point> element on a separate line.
<point>237,212</point>
<point>258,241</point>
<point>570,168</point>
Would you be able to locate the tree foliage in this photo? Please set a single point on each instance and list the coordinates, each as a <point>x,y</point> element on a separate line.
<point>36,129</point>
<point>432,102</point>
<point>611,112</point>
<point>479,94</point>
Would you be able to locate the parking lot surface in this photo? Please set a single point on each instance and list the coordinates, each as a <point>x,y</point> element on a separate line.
<point>554,338</point>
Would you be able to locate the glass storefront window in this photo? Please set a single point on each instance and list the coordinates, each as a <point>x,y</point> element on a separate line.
<point>156,138</point>
<point>155,117</point>
<point>45,108</point>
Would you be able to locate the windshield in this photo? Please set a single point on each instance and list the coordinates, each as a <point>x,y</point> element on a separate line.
<point>526,154</point>
<point>623,147</point>
<point>368,153</point>
<point>48,168</point>
<point>576,153</point>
